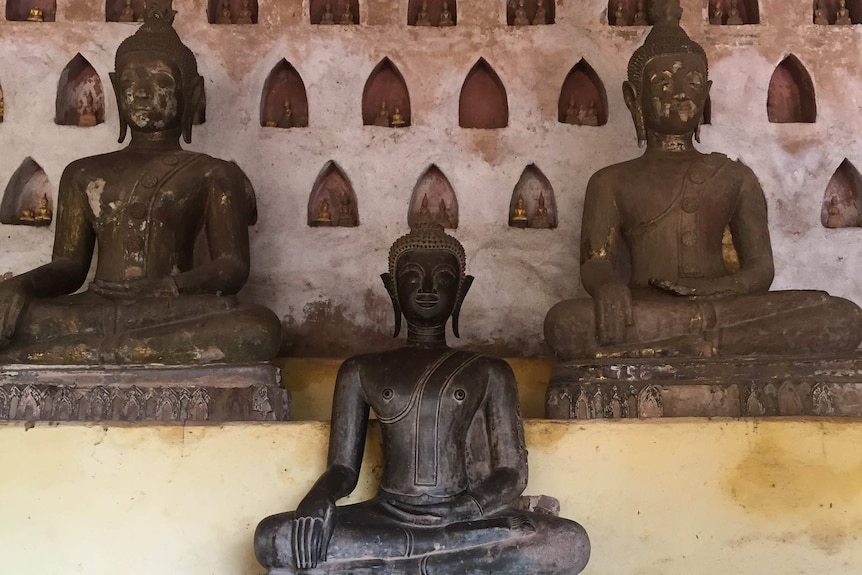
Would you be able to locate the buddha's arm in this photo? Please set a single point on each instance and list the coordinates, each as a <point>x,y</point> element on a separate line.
<point>600,229</point>
<point>74,240</point>
<point>750,231</point>
<point>226,227</point>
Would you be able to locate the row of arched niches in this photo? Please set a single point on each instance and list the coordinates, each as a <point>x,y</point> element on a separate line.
<point>444,13</point>
<point>483,101</point>
<point>333,201</point>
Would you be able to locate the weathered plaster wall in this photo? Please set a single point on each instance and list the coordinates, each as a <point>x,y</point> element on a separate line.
<point>323,282</point>
<point>657,497</point>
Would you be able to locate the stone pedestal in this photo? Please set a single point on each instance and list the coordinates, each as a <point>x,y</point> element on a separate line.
<point>731,387</point>
<point>141,393</point>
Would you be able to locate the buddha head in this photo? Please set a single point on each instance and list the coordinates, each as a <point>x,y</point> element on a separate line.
<point>667,86</point>
<point>427,278</point>
<point>156,78</point>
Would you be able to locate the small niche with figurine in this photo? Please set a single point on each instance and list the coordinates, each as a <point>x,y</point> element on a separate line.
<point>433,200</point>
<point>583,99</point>
<point>791,97</point>
<point>629,13</point>
<point>284,103</point>
<point>385,99</point>
<point>232,11</point>
<point>333,201</point>
<point>533,204</point>
<point>483,103</point>
<point>840,207</point>
<point>837,12</point>
<point>27,199</point>
<point>31,10</point>
<point>329,12</point>
<point>80,96</point>
<point>129,11</point>
<point>529,12</point>
<point>432,13</point>
<point>733,12</point>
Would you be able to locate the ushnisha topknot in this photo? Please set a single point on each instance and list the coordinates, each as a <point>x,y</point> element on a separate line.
<point>157,34</point>
<point>667,38</point>
<point>428,236</point>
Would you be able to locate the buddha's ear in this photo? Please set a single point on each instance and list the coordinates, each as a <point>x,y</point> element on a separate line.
<point>193,102</point>
<point>456,314</point>
<point>633,103</point>
<point>702,112</point>
<point>124,127</point>
<point>390,289</point>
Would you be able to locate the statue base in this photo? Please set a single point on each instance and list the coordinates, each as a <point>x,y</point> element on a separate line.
<point>143,393</point>
<point>728,387</point>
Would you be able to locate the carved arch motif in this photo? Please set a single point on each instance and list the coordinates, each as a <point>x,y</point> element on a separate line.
<point>80,96</point>
<point>533,204</point>
<point>284,102</point>
<point>791,97</point>
<point>483,102</point>
<point>385,98</point>
<point>333,201</point>
<point>27,191</point>
<point>583,99</point>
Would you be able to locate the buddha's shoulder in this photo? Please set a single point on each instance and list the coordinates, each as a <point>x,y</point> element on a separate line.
<point>618,172</point>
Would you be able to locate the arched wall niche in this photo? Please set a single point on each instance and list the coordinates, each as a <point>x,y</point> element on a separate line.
<point>721,12</point>
<point>80,96</point>
<point>432,13</point>
<point>124,10</point>
<point>528,12</point>
<point>629,12</point>
<point>333,201</point>
<point>386,99</point>
<point>232,11</point>
<point>344,12</point>
<point>840,207</point>
<point>533,204</point>
<point>433,200</point>
<point>28,198</point>
<point>829,11</point>
<point>20,10</point>
<point>284,102</point>
<point>791,97</point>
<point>583,99</point>
<point>483,103</point>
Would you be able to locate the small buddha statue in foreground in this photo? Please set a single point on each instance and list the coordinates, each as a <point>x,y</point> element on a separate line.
<point>153,299</point>
<point>668,210</point>
<point>519,213</point>
<point>438,508</point>
<point>446,16</point>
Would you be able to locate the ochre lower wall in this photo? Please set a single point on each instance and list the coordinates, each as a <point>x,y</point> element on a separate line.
<point>682,497</point>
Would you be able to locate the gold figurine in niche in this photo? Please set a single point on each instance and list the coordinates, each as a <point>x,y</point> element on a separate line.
<point>422,18</point>
<point>87,112</point>
<point>398,120</point>
<point>519,214</point>
<point>35,15</point>
<point>224,15</point>
<point>324,218</point>
<point>446,16</point>
<point>640,15</point>
<point>733,17</point>
<point>245,14</point>
<point>541,16</point>
<point>842,17</point>
<point>521,15</point>
<point>382,116</point>
<point>327,17</point>
<point>286,115</point>
<point>27,216</point>
<point>424,216</point>
<point>347,15</point>
<point>540,218</point>
<point>128,13</point>
<point>44,215</point>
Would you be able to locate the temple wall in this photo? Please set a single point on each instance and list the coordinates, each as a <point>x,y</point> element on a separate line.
<point>657,497</point>
<point>323,282</point>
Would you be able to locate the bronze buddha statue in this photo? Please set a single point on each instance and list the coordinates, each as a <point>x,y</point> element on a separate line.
<point>651,240</point>
<point>454,459</point>
<point>153,298</point>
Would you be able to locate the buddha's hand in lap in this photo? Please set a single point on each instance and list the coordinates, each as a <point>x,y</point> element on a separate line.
<point>701,287</point>
<point>312,528</point>
<point>463,508</point>
<point>143,288</point>
<point>613,303</point>
<point>12,302</point>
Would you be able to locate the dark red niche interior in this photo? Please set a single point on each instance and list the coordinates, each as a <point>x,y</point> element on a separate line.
<point>284,85</point>
<point>791,97</point>
<point>483,103</point>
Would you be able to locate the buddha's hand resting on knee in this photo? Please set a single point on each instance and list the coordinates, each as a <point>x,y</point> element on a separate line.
<point>12,302</point>
<point>613,302</point>
<point>701,287</point>
<point>465,507</point>
<point>312,528</point>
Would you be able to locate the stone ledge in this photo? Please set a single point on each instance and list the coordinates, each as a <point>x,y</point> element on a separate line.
<point>141,393</point>
<point>737,387</point>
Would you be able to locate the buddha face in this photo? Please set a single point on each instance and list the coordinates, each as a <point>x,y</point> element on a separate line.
<point>674,94</point>
<point>427,284</point>
<point>149,91</point>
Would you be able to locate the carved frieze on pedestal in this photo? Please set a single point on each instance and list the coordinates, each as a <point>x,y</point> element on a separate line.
<point>190,394</point>
<point>735,387</point>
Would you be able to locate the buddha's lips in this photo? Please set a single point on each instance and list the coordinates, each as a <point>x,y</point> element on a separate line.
<point>426,300</point>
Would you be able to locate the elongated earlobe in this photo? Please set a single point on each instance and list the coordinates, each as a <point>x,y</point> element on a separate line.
<point>630,95</point>
<point>192,104</point>
<point>124,127</point>
<point>390,289</point>
<point>456,314</point>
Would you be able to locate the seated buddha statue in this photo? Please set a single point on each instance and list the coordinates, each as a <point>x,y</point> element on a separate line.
<point>651,239</point>
<point>438,508</point>
<point>152,299</point>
